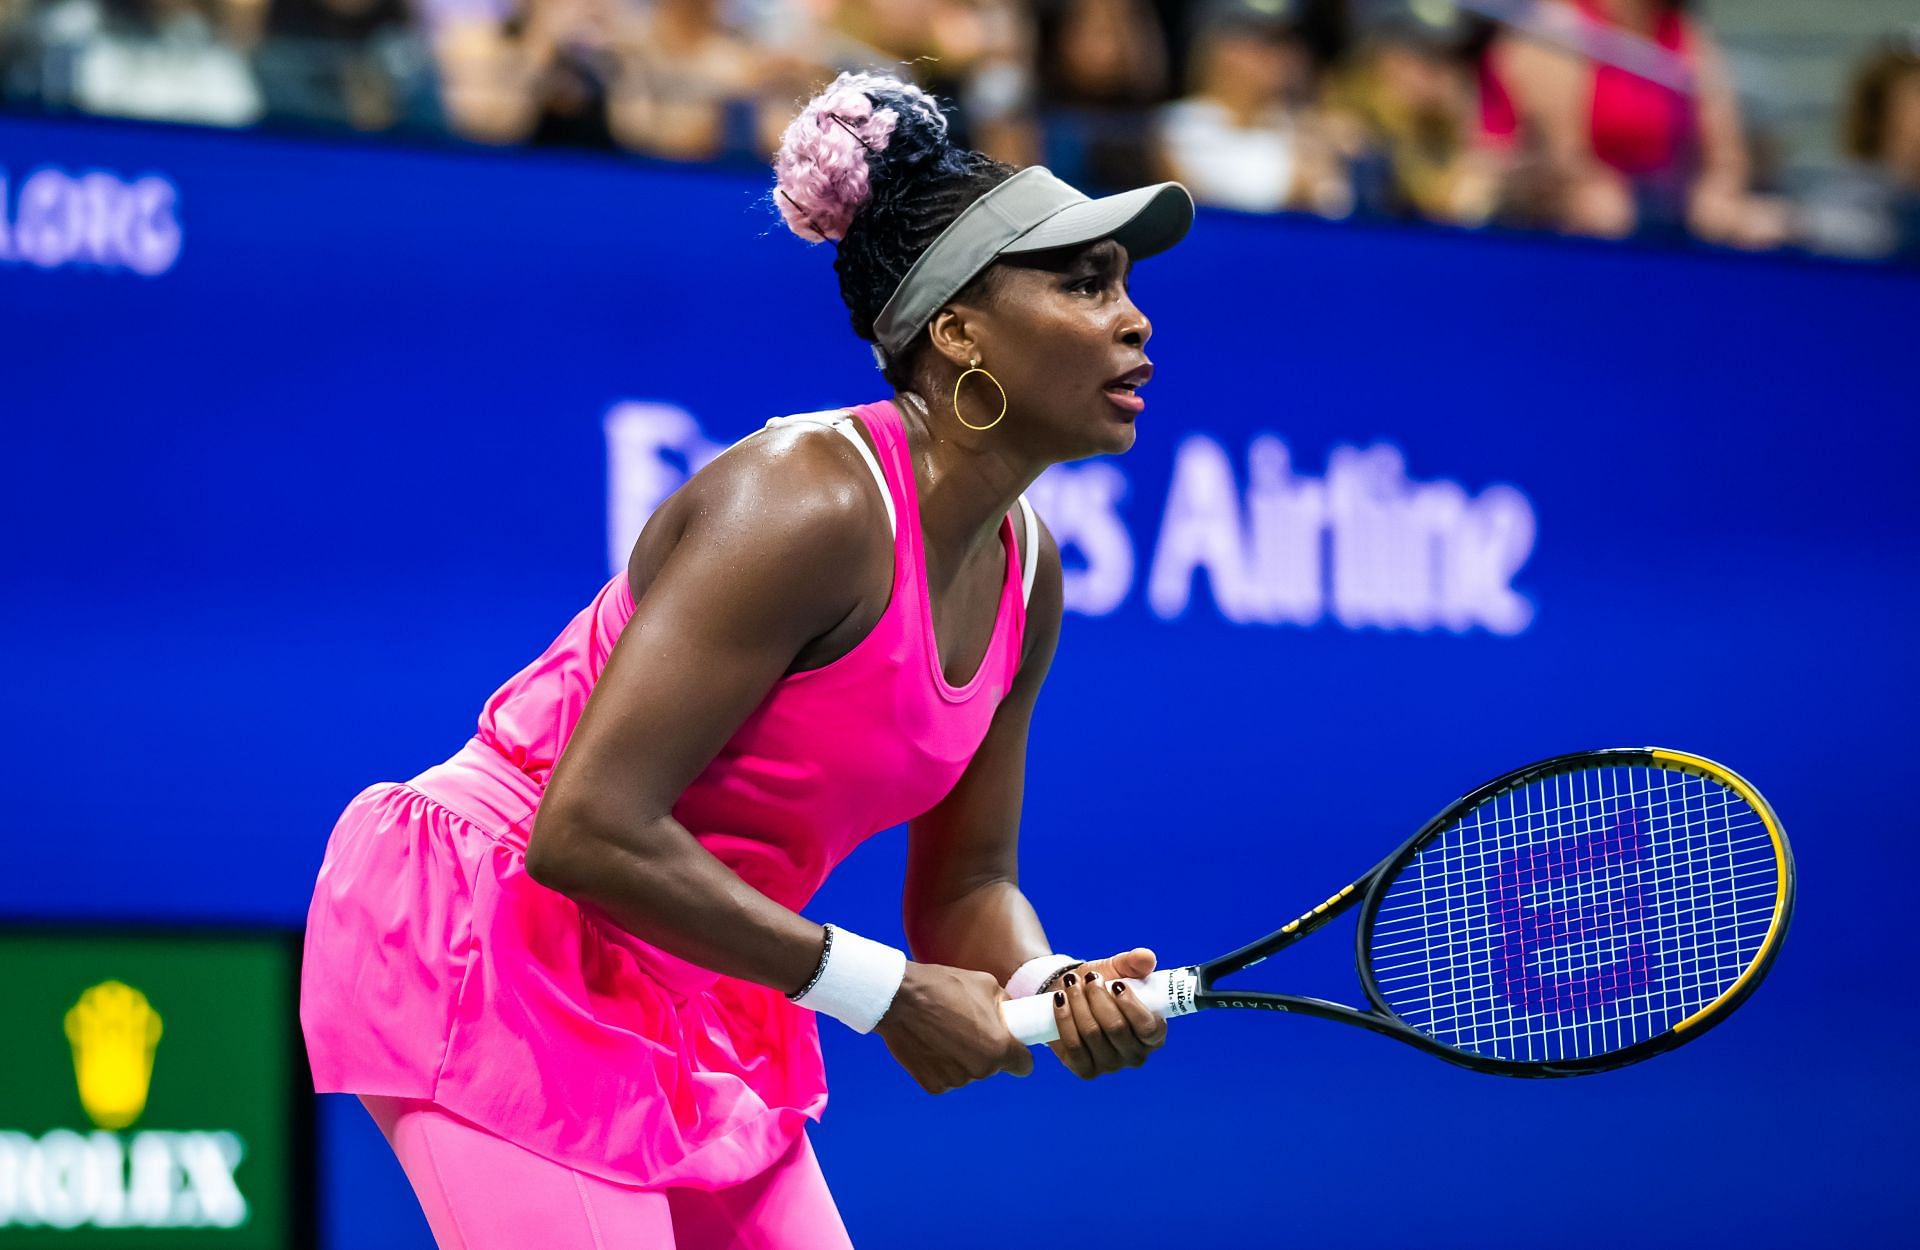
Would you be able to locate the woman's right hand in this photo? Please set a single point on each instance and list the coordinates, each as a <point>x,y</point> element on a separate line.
<point>945,1028</point>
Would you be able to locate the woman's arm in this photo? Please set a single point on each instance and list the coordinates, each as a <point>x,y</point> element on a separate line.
<point>769,548</point>
<point>963,903</point>
<point>1721,206</point>
<point>1552,93</point>
<point>766,548</point>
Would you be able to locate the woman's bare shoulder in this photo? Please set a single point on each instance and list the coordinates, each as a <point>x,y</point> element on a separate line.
<point>799,491</point>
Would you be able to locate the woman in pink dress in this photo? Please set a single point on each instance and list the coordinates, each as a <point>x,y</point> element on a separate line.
<point>1623,151</point>
<point>566,969</point>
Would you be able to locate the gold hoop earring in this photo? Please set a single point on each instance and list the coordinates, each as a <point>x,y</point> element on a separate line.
<point>996,386</point>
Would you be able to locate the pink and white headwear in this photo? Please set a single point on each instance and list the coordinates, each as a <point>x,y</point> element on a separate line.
<point>820,171</point>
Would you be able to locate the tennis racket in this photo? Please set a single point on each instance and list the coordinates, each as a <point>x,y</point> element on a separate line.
<point>1579,914</point>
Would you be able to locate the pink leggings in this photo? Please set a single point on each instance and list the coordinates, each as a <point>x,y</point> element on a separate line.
<point>480,1192</point>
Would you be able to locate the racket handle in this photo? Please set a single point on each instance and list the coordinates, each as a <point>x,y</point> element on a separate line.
<point>1167,993</point>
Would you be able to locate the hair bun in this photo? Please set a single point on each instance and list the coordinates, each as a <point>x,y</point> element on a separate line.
<point>822,172</point>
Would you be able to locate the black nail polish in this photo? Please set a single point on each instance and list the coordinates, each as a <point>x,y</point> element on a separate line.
<point>1069,980</point>
<point>1059,999</point>
<point>1119,987</point>
<point>1092,977</point>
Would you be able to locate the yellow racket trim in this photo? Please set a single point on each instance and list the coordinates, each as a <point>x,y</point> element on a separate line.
<point>1733,781</point>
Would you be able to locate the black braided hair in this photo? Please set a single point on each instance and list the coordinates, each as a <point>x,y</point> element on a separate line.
<point>920,182</point>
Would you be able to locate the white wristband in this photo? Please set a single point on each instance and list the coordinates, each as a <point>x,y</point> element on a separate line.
<point>1026,979</point>
<point>857,980</point>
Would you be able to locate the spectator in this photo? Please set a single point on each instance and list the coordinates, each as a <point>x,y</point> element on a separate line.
<point>1407,115</point>
<point>1103,68</point>
<point>686,84</point>
<point>1625,151</point>
<point>159,59</point>
<point>351,63</point>
<point>977,55</point>
<point>18,76</point>
<point>486,79</point>
<point>985,51</point>
<point>1247,138</point>
<point>789,40</point>
<point>1110,52</point>
<point>1873,208</point>
<point>543,75</point>
<point>578,51</point>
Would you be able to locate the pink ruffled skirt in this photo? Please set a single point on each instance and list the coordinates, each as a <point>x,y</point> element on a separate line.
<point>437,969</point>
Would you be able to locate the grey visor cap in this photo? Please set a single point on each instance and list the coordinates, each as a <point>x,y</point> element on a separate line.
<point>1033,211</point>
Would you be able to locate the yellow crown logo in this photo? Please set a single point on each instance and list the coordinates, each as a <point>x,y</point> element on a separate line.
<point>114,1031</point>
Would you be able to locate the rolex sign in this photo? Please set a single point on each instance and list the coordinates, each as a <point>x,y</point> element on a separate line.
<point>152,1092</point>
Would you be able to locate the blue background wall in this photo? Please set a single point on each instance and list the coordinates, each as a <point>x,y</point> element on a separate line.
<point>283,514</point>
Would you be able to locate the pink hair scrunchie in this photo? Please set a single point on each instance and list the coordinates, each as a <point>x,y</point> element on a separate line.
<point>820,171</point>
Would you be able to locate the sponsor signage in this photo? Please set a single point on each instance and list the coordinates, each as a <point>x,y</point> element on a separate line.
<point>51,218</point>
<point>152,1090</point>
<point>1256,540</point>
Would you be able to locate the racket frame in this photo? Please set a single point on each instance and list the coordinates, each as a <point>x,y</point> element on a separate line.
<point>1200,994</point>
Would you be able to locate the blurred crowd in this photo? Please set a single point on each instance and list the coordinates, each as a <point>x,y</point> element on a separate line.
<point>1598,117</point>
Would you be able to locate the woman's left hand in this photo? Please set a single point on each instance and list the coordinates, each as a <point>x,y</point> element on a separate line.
<point>1102,1030</point>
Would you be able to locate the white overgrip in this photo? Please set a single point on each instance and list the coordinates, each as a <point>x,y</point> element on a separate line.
<point>1167,993</point>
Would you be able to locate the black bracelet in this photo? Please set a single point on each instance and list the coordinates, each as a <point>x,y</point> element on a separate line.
<point>1047,982</point>
<point>826,949</point>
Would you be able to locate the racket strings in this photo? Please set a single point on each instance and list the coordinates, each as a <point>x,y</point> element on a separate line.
<point>1578,914</point>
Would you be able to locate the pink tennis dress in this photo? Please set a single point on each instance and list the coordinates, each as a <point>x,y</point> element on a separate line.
<point>437,969</point>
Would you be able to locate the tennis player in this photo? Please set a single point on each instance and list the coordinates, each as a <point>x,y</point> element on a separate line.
<point>566,969</point>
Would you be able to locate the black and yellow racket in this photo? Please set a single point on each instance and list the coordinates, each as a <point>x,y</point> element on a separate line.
<point>1579,914</point>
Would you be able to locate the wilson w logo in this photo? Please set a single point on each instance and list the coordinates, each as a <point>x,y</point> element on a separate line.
<point>1569,920</point>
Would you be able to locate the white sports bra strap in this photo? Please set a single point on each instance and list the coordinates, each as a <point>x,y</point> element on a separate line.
<point>845,426</point>
<point>1032,562</point>
<point>842,421</point>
